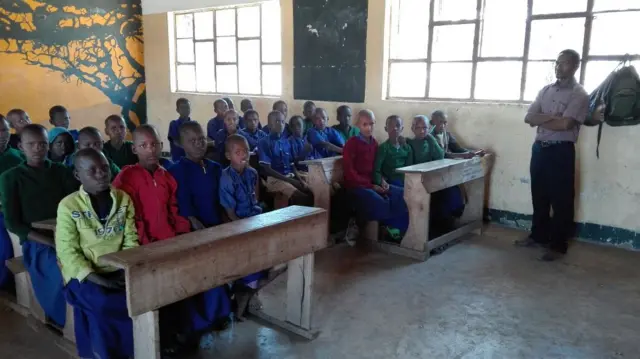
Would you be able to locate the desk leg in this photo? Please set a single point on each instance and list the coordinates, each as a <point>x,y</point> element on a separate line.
<point>321,189</point>
<point>418,200</point>
<point>146,335</point>
<point>299,291</point>
<point>474,207</point>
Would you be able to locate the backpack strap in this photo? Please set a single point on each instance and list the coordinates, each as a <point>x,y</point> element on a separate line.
<point>599,136</point>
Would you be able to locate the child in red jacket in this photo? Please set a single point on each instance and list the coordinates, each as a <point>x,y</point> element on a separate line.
<point>383,203</point>
<point>153,190</point>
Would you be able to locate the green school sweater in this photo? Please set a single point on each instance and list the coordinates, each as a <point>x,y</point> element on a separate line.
<point>426,149</point>
<point>32,194</point>
<point>353,131</point>
<point>9,159</point>
<point>122,157</point>
<point>388,158</point>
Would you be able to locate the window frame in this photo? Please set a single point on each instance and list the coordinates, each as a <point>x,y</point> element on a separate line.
<point>588,16</point>
<point>214,41</point>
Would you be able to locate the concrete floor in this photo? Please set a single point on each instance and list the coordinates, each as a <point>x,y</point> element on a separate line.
<point>482,298</point>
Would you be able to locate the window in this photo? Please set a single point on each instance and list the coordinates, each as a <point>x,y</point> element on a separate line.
<point>504,50</point>
<point>233,50</point>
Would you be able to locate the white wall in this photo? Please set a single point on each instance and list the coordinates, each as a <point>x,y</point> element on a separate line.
<point>163,6</point>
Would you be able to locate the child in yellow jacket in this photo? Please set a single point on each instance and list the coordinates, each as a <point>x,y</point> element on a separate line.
<point>92,222</point>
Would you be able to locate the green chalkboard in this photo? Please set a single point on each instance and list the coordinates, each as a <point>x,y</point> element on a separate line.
<point>330,49</point>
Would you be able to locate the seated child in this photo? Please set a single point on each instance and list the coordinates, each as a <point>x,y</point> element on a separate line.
<point>300,148</point>
<point>230,128</point>
<point>18,119</point>
<point>238,196</point>
<point>90,137</point>
<point>117,149</point>
<point>59,117</point>
<point>251,131</point>
<point>183,107</point>
<point>61,145</point>
<point>198,200</point>
<point>424,146</point>
<point>245,106</point>
<point>152,189</point>
<point>326,141</point>
<point>30,192</point>
<point>281,107</point>
<point>392,155</point>
<point>216,124</point>
<point>446,140</point>
<point>276,156</point>
<point>92,222</point>
<point>344,127</point>
<point>308,111</point>
<point>372,202</point>
<point>9,158</point>
<point>229,102</point>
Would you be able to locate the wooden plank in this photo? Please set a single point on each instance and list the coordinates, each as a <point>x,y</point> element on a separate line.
<point>15,243</point>
<point>418,202</point>
<point>438,175</point>
<point>402,251</point>
<point>49,224</point>
<point>432,166</point>
<point>146,335</point>
<point>300,291</point>
<point>474,208</point>
<point>455,234</point>
<point>23,289</point>
<point>68,332</point>
<point>165,272</point>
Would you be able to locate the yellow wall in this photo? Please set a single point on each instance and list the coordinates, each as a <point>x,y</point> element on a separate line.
<point>89,60</point>
<point>608,190</point>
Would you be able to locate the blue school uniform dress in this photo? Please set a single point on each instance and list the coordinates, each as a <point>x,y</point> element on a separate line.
<point>276,151</point>
<point>242,125</point>
<point>297,149</point>
<point>286,133</point>
<point>74,134</point>
<point>165,162</point>
<point>213,126</point>
<point>198,196</point>
<point>316,137</point>
<point>174,135</point>
<point>238,193</point>
<point>220,138</point>
<point>252,138</point>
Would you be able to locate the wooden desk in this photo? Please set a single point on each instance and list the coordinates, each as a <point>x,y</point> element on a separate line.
<point>165,272</point>
<point>423,179</point>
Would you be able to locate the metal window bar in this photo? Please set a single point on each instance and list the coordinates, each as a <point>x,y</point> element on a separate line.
<point>586,58</point>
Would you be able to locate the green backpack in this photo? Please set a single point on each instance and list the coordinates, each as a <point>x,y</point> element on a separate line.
<point>620,92</point>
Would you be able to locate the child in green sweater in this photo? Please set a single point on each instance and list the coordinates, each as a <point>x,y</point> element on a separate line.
<point>392,154</point>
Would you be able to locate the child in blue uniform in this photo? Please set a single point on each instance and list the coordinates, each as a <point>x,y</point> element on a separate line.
<point>230,128</point>
<point>276,156</point>
<point>183,107</point>
<point>325,140</point>
<point>300,147</point>
<point>216,124</point>
<point>238,196</point>
<point>251,132</point>
<point>283,108</point>
<point>59,117</point>
<point>198,200</point>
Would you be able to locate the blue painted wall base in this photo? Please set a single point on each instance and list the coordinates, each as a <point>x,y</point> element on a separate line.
<point>589,232</point>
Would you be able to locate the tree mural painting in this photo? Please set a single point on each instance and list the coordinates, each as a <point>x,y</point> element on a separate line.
<point>97,42</point>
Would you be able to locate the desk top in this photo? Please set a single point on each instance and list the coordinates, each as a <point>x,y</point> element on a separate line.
<point>49,224</point>
<point>321,161</point>
<point>436,165</point>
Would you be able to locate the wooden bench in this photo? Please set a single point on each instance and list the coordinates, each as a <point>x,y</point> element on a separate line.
<point>423,179</point>
<point>165,272</point>
<point>323,173</point>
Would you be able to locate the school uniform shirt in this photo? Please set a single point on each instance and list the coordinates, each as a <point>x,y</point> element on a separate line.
<point>154,197</point>
<point>74,134</point>
<point>388,159</point>
<point>14,140</point>
<point>174,136</point>
<point>425,149</point>
<point>238,192</point>
<point>449,142</point>
<point>83,235</point>
<point>253,138</point>
<point>9,159</point>
<point>220,139</point>
<point>121,157</point>
<point>31,194</point>
<point>276,151</point>
<point>213,126</point>
<point>297,148</point>
<point>353,131</point>
<point>285,133</point>
<point>316,137</point>
<point>242,125</point>
<point>198,190</point>
<point>357,161</point>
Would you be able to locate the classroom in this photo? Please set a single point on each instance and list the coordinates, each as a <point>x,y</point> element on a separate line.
<point>319,179</point>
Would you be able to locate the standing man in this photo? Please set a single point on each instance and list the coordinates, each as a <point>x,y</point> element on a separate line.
<point>558,111</point>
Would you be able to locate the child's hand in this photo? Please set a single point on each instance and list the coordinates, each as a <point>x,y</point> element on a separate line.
<point>384,185</point>
<point>467,155</point>
<point>379,189</point>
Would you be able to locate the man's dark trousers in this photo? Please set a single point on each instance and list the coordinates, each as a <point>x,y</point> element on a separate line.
<point>552,186</point>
